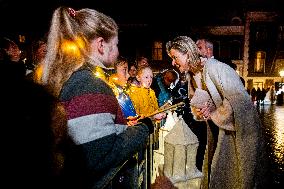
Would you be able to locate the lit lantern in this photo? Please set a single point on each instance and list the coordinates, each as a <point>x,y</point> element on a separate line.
<point>180,157</point>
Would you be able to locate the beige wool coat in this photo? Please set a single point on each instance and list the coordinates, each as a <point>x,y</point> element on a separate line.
<point>235,158</point>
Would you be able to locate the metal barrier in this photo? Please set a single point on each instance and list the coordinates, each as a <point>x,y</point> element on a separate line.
<point>137,171</point>
<point>134,173</point>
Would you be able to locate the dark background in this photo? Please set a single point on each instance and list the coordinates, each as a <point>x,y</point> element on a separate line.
<point>34,15</point>
<point>140,21</point>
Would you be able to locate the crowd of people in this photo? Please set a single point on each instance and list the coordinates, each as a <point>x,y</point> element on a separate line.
<point>73,118</point>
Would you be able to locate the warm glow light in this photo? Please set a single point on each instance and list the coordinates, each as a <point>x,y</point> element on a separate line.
<point>38,73</point>
<point>281,73</point>
<point>98,74</point>
<point>115,78</point>
<point>72,47</point>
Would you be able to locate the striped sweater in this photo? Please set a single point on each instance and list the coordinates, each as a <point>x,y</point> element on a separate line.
<point>96,124</point>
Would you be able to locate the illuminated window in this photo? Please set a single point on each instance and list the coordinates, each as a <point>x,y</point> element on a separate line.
<point>259,63</point>
<point>22,38</point>
<point>157,51</point>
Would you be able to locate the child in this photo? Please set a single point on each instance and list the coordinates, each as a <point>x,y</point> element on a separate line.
<point>121,75</point>
<point>143,97</point>
<point>120,86</point>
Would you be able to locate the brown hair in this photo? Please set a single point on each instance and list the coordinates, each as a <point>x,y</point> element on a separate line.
<point>120,61</point>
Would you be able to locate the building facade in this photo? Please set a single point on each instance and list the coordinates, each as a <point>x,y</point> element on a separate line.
<point>253,41</point>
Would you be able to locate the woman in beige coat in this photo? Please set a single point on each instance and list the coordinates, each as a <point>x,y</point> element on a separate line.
<point>216,93</point>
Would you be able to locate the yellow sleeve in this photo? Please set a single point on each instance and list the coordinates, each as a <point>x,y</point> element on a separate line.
<point>144,100</point>
<point>154,99</point>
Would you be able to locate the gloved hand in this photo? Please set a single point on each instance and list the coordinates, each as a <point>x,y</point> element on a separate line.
<point>149,123</point>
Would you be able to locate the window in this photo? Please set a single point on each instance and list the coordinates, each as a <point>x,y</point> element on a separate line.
<point>236,21</point>
<point>257,85</point>
<point>261,34</point>
<point>235,50</point>
<point>259,63</point>
<point>157,51</point>
<point>22,38</point>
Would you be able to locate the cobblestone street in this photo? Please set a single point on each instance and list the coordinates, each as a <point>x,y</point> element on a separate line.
<point>272,117</point>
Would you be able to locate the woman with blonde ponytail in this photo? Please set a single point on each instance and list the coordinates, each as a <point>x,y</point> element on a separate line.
<point>81,46</point>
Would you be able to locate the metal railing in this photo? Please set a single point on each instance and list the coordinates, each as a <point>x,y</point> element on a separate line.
<point>135,172</point>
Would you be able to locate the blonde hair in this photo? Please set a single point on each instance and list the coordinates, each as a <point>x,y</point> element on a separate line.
<point>141,70</point>
<point>185,45</point>
<point>68,43</point>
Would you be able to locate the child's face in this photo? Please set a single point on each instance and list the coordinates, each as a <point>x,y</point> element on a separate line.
<point>122,70</point>
<point>143,62</point>
<point>132,71</point>
<point>146,78</point>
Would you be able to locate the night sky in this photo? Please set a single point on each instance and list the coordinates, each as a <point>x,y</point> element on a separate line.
<point>33,16</point>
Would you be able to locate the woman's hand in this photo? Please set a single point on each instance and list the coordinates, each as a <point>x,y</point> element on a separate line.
<point>204,112</point>
<point>133,120</point>
<point>160,116</point>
